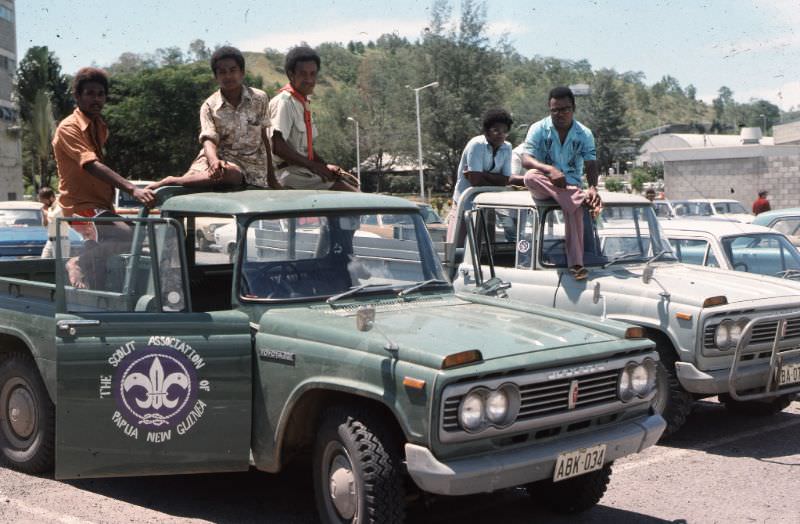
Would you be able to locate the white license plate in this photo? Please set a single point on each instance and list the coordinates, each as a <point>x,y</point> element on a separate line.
<point>573,463</point>
<point>789,374</point>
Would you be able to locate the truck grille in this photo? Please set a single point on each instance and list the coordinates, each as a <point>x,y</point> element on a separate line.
<point>549,398</point>
<point>763,333</point>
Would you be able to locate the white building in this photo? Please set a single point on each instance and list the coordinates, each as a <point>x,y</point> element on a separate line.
<point>11,186</point>
<point>727,166</point>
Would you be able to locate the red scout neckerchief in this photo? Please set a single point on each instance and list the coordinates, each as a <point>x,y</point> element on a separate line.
<point>306,116</point>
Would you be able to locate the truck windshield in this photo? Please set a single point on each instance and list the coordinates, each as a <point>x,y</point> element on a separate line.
<point>318,256</point>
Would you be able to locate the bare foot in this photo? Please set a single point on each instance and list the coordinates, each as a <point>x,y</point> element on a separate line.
<point>75,274</point>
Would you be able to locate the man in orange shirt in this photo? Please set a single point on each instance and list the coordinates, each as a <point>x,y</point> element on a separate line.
<point>85,184</point>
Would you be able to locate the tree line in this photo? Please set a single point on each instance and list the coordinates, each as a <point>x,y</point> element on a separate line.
<point>155,98</point>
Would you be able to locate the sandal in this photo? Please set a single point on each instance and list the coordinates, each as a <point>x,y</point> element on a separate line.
<point>579,272</point>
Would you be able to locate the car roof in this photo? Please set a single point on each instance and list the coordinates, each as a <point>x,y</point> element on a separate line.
<point>777,213</point>
<point>714,200</point>
<point>20,204</point>
<point>272,201</point>
<point>718,227</point>
<point>523,198</point>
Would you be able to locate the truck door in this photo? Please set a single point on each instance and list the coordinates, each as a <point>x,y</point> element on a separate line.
<point>145,385</point>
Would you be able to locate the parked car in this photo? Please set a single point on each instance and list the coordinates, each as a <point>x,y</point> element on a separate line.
<point>22,233</point>
<point>712,207</point>
<point>663,209</point>
<point>20,213</point>
<point>787,221</point>
<point>734,246</point>
<point>392,226</point>
<point>205,229</point>
<point>125,204</point>
<point>715,329</point>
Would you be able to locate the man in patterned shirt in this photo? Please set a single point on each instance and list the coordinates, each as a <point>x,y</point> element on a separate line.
<point>556,150</point>
<point>298,165</point>
<point>233,131</point>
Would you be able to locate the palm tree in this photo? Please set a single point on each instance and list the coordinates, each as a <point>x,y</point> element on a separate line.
<point>41,128</point>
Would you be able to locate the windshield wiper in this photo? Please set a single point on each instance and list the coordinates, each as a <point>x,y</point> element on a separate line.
<point>657,255</point>
<point>620,258</point>
<point>352,291</point>
<point>788,273</point>
<point>422,285</point>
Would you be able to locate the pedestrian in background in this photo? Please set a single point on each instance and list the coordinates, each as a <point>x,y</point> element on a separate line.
<point>50,212</point>
<point>761,203</point>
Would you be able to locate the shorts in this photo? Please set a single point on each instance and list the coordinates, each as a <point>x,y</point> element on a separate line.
<point>87,229</point>
<point>296,177</point>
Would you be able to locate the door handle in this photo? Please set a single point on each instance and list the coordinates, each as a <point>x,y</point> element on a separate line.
<point>68,328</point>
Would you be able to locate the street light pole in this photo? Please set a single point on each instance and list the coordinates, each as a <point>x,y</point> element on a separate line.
<point>358,151</point>
<point>419,138</point>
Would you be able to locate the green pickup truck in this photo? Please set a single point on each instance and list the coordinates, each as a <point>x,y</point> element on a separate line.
<point>318,340</point>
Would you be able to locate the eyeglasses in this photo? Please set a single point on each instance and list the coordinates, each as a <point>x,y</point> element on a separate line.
<point>561,110</point>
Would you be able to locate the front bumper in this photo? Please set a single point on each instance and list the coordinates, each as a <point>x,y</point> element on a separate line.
<point>505,469</point>
<point>715,382</point>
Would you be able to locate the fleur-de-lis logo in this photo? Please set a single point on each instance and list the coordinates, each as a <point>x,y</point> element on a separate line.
<point>156,386</point>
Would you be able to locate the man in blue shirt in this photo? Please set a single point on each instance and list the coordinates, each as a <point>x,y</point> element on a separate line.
<point>486,161</point>
<point>557,149</point>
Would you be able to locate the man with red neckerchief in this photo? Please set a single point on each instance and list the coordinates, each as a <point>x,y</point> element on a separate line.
<point>298,166</point>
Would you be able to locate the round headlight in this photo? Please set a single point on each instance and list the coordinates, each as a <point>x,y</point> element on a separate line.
<point>736,330</point>
<point>497,406</point>
<point>624,386</point>
<point>471,413</point>
<point>640,380</point>
<point>722,336</point>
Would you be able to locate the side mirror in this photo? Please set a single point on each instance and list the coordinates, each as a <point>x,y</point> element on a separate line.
<point>365,318</point>
<point>596,294</point>
<point>647,274</point>
<point>494,286</point>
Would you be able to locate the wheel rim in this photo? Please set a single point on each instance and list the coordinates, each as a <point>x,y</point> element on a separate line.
<point>19,411</point>
<point>342,486</point>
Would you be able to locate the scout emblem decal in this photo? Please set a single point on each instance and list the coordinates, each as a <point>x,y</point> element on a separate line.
<point>156,388</point>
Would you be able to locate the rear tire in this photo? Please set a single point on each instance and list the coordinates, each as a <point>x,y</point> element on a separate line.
<point>671,401</point>
<point>358,469</point>
<point>572,495</point>
<point>27,416</point>
<point>757,408</point>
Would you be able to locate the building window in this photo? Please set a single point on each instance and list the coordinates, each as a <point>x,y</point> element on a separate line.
<point>6,13</point>
<point>7,63</point>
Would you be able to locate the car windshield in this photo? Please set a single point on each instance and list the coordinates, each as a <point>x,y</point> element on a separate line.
<point>762,253</point>
<point>693,209</point>
<point>319,256</point>
<point>20,217</point>
<point>728,208</point>
<point>629,233</point>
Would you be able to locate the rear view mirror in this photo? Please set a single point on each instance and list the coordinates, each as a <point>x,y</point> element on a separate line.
<point>596,294</point>
<point>365,318</point>
<point>647,274</point>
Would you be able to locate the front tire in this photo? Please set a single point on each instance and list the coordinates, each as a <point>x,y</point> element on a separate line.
<point>572,495</point>
<point>357,469</point>
<point>27,416</point>
<point>671,401</point>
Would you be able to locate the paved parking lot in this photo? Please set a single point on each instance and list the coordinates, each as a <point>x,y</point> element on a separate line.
<point>719,468</point>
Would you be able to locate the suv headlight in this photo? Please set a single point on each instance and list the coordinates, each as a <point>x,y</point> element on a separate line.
<point>728,333</point>
<point>637,380</point>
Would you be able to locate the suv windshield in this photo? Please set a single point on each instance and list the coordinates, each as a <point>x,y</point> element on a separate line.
<point>317,256</point>
<point>629,233</point>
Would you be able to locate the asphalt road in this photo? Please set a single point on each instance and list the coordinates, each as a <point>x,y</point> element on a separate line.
<point>720,468</point>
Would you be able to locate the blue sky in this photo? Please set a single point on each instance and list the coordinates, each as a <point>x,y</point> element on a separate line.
<point>751,46</point>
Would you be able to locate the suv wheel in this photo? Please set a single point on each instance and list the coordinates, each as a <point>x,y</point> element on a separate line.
<point>357,469</point>
<point>671,401</point>
<point>572,495</point>
<point>27,416</point>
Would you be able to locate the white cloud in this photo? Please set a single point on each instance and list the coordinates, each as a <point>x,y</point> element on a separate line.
<point>341,31</point>
<point>785,96</point>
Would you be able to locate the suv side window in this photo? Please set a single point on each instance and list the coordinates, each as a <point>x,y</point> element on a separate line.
<point>693,251</point>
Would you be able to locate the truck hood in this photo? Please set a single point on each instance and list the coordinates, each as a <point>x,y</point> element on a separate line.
<point>428,329</point>
<point>690,284</point>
